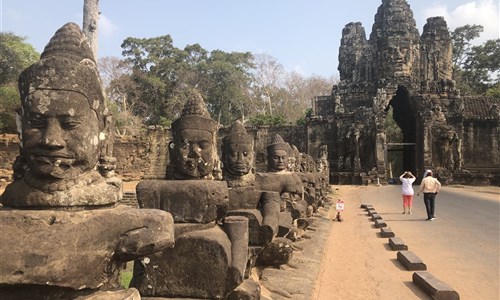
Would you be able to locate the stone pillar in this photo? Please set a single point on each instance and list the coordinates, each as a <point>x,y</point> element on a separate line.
<point>494,145</point>
<point>236,228</point>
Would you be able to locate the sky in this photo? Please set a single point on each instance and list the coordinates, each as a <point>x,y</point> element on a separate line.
<point>302,35</point>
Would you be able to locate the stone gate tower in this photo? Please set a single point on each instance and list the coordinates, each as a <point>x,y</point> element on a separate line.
<point>399,69</point>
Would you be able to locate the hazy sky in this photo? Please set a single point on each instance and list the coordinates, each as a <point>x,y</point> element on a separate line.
<point>302,35</point>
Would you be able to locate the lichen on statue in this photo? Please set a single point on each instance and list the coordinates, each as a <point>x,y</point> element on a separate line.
<point>64,130</point>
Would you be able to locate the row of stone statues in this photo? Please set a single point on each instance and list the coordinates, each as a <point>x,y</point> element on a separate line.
<point>197,234</point>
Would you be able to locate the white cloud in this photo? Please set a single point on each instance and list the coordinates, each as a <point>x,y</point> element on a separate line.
<point>106,27</point>
<point>480,12</point>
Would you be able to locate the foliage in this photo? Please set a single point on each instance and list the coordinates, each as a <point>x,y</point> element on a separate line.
<point>9,99</point>
<point>308,113</point>
<point>393,133</point>
<point>265,119</point>
<point>16,55</point>
<point>476,68</point>
<point>125,122</point>
<point>161,71</point>
<point>275,91</point>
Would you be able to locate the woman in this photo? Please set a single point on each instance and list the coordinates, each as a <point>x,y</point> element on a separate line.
<point>407,180</point>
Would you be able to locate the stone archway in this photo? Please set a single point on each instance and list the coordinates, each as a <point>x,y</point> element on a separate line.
<point>404,116</point>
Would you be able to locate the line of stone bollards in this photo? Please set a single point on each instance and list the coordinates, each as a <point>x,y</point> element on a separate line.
<point>427,282</point>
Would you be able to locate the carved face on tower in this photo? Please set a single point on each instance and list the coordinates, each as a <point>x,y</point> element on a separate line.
<point>63,113</point>
<point>277,155</point>
<point>194,147</point>
<point>237,151</point>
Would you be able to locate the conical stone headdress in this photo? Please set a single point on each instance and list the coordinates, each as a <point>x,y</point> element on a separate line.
<point>195,116</point>
<point>238,135</point>
<point>67,63</point>
<point>277,144</point>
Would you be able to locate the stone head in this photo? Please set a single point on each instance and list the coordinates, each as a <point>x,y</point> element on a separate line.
<point>63,117</point>
<point>194,151</point>
<point>237,151</point>
<point>277,154</point>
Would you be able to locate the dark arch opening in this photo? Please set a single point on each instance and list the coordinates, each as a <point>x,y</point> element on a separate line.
<point>404,116</point>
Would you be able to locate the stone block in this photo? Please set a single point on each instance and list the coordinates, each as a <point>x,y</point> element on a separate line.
<point>197,267</point>
<point>411,261</point>
<point>379,223</point>
<point>37,245</point>
<point>371,212</point>
<point>189,201</point>
<point>397,244</point>
<point>367,206</point>
<point>376,216</point>
<point>434,287</point>
<point>386,232</point>
<point>243,197</point>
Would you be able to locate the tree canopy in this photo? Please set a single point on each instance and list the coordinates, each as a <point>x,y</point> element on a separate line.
<point>476,68</point>
<point>15,55</point>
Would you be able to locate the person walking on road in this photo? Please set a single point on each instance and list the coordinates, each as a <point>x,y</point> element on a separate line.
<point>430,187</point>
<point>407,180</point>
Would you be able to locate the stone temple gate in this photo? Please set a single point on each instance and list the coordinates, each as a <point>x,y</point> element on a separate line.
<point>411,74</point>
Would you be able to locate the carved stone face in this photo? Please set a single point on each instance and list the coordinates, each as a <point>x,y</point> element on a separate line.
<point>238,159</point>
<point>277,160</point>
<point>60,134</point>
<point>194,153</point>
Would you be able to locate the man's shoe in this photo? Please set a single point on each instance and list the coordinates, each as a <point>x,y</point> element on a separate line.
<point>428,219</point>
<point>433,218</point>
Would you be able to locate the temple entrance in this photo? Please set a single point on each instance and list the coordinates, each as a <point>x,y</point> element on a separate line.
<point>401,141</point>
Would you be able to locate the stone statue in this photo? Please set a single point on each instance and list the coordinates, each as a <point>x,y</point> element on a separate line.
<point>262,208</point>
<point>211,250</point>
<point>194,146</point>
<point>288,184</point>
<point>62,234</point>
<point>238,156</point>
<point>277,155</point>
<point>64,130</point>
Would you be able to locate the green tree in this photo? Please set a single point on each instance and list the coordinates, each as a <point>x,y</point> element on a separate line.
<point>476,68</point>
<point>162,71</point>
<point>15,56</point>
<point>266,119</point>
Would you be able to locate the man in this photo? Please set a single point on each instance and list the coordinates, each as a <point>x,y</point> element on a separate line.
<point>430,187</point>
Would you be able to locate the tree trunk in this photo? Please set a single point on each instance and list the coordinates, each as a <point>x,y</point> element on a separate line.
<point>90,21</point>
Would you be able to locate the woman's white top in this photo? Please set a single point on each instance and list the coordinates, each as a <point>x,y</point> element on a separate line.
<point>407,188</point>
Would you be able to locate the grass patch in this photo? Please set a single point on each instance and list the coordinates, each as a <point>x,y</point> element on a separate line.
<point>126,275</point>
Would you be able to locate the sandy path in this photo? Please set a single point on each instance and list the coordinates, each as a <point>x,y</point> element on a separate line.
<point>357,264</point>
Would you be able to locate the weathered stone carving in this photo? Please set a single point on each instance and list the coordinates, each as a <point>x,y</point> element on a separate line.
<point>194,148</point>
<point>62,237</point>
<point>262,208</point>
<point>412,75</point>
<point>64,130</point>
<point>210,253</point>
<point>277,155</point>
